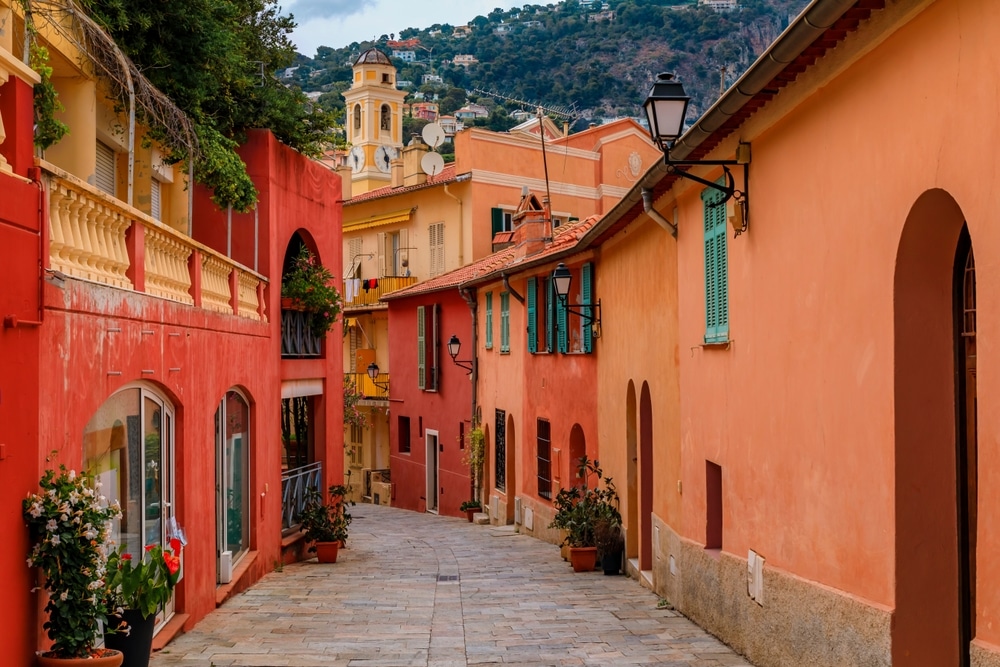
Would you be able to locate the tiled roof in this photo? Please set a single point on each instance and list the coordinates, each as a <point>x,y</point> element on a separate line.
<point>373,55</point>
<point>488,268</point>
<point>447,175</point>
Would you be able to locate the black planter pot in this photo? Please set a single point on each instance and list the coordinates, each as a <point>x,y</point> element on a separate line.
<point>611,562</point>
<point>137,645</point>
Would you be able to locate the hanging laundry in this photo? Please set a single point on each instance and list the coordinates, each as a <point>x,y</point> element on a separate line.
<point>348,297</point>
<point>357,286</point>
<point>364,284</point>
<point>374,283</point>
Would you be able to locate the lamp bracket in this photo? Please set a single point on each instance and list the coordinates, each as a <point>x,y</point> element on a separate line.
<point>467,365</point>
<point>593,318</point>
<point>742,197</point>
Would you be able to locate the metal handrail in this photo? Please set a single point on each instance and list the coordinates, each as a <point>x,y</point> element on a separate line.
<point>294,485</point>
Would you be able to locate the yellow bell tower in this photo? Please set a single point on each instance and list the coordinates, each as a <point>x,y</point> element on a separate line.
<point>374,121</point>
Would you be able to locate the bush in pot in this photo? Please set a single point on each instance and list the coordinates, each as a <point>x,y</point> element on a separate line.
<point>325,522</point>
<point>70,525</point>
<point>580,509</point>
<point>310,286</point>
<point>470,507</point>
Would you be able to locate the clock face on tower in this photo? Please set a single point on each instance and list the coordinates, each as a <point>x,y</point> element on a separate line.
<point>356,159</point>
<point>384,155</point>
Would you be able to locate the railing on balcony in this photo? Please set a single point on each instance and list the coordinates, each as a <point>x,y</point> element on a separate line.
<point>99,238</point>
<point>370,297</point>
<point>364,385</point>
<point>297,338</point>
<point>294,485</point>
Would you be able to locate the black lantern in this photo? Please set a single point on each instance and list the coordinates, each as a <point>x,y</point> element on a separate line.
<point>666,108</point>
<point>590,313</point>
<point>454,346</point>
<point>562,279</point>
<point>373,374</point>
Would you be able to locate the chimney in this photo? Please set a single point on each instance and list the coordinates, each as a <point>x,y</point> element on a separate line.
<point>565,129</point>
<point>345,182</point>
<point>396,169</point>
<point>413,174</point>
<point>529,233</point>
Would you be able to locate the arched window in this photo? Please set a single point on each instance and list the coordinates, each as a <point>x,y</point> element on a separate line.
<point>232,465</point>
<point>386,118</point>
<point>357,117</point>
<point>128,446</point>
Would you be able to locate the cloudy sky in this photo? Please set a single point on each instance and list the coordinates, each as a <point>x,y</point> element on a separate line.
<point>337,23</point>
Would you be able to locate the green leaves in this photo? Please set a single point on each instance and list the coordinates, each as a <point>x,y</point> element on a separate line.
<point>310,285</point>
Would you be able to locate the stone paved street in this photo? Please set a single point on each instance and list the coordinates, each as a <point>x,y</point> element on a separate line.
<point>416,589</point>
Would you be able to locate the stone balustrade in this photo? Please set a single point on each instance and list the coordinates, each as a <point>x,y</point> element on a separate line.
<point>96,237</point>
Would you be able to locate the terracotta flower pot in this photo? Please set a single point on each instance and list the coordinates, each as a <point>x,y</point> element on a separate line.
<point>326,552</point>
<point>108,658</point>
<point>583,559</point>
<point>471,514</point>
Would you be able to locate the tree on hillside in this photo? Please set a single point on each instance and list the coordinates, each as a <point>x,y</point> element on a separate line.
<point>215,59</point>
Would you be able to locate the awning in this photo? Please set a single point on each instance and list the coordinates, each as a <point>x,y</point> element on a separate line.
<point>379,220</point>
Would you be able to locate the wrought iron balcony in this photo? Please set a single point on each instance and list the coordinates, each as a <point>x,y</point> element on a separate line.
<point>367,298</point>
<point>297,338</point>
<point>369,389</point>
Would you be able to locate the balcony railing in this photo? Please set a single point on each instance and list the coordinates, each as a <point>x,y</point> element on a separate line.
<point>363,384</point>
<point>294,485</point>
<point>370,297</point>
<point>99,238</point>
<point>297,338</point>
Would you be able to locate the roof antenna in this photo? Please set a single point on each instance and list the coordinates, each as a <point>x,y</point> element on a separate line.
<point>545,166</point>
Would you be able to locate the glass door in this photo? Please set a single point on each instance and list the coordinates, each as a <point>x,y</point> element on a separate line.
<point>232,465</point>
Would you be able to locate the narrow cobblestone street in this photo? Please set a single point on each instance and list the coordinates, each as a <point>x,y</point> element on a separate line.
<point>416,589</point>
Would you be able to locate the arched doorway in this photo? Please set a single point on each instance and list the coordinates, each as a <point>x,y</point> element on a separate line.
<point>232,484</point>
<point>645,479</point>
<point>511,464</point>
<point>935,429</point>
<point>632,477</point>
<point>577,450</point>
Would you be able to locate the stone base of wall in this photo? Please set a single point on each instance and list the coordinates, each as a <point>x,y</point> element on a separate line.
<point>985,655</point>
<point>799,623</point>
<point>541,516</point>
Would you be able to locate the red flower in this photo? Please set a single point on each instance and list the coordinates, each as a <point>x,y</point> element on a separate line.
<point>173,563</point>
<point>126,556</point>
<point>150,547</point>
<point>175,545</point>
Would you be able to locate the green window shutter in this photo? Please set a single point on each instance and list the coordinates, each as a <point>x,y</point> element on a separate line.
<point>421,350</point>
<point>496,215</point>
<point>504,322</point>
<point>562,322</point>
<point>532,316</point>
<point>587,293</point>
<point>550,317</point>
<point>489,320</point>
<point>716,268</point>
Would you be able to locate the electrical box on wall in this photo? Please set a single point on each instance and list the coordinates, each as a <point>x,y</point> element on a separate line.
<point>755,577</point>
<point>225,567</point>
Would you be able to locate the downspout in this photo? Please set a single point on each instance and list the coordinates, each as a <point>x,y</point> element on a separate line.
<point>461,227</point>
<point>511,290</point>
<point>471,301</point>
<point>647,206</point>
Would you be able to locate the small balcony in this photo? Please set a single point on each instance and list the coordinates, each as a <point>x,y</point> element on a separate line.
<point>373,393</point>
<point>297,338</point>
<point>96,237</point>
<point>366,299</point>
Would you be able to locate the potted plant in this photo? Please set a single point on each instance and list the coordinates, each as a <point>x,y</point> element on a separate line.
<point>325,522</point>
<point>70,525</point>
<point>309,286</point>
<point>579,510</point>
<point>610,542</point>
<point>136,589</point>
<point>470,507</point>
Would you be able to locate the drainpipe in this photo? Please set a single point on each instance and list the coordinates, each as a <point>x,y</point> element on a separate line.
<point>647,206</point>
<point>470,299</point>
<point>511,290</point>
<point>461,226</point>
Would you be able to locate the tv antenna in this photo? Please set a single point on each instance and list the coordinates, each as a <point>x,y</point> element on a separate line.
<point>569,112</point>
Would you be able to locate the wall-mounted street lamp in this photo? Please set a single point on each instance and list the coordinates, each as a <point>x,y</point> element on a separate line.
<point>666,106</point>
<point>454,346</point>
<point>562,279</point>
<point>373,374</point>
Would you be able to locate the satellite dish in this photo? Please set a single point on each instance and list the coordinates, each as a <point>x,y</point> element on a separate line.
<point>432,164</point>
<point>433,135</point>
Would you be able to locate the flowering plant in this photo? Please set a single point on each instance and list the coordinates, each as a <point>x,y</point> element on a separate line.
<point>70,526</point>
<point>144,584</point>
<point>310,285</point>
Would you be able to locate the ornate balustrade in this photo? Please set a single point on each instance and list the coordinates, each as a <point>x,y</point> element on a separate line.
<point>96,237</point>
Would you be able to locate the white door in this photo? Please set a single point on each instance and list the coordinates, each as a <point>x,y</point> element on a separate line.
<point>432,470</point>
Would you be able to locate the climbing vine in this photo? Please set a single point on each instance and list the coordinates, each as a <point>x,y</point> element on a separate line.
<point>48,128</point>
<point>475,453</point>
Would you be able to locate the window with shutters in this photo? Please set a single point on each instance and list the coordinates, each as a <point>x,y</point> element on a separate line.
<point>587,298</point>
<point>421,349</point>
<point>531,299</point>
<point>354,258</point>
<point>716,267</point>
<point>489,320</point>
<point>104,169</point>
<point>504,322</point>
<point>436,246</point>
<point>155,207</point>
<point>539,311</point>
<point>501,221</point>
<point>500,450</point>
<point>428,351</point>
<point>544,442</point>
<point>391,253</point>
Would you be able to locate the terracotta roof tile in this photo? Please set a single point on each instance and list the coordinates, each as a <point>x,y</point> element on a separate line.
<point>447,175</point>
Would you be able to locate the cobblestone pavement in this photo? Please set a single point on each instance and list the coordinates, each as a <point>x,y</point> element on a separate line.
<point>416,589</point>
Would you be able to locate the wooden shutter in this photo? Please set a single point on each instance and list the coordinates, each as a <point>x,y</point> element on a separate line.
<point>489,320</point>
<point>587,295</point>
<point>432,342</point>
<point>104,169</point>
<point>155,207</point>
<point>532,316</point>
<point>436,239</point>
<point>380,246</point>
<point>550,317</point>
<point>496,216</point>
<point>505,322</point>
<point>562,322</point>
<point>716,268</point>
<point>421,350</point>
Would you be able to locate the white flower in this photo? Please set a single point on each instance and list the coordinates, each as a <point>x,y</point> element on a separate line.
<point>36,509</point>
<point>51,525</point>
<point>97,484</point>
<point>90,533</point>
<point>55,540</point>
<point>72,475</point>
<point>64,517</point>
<point>63,596</point>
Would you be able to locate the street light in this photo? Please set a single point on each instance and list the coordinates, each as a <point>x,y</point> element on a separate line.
<point>373,374</point>
<point>454,345</point>
<point>666,106</point>
<point>562,279</point>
